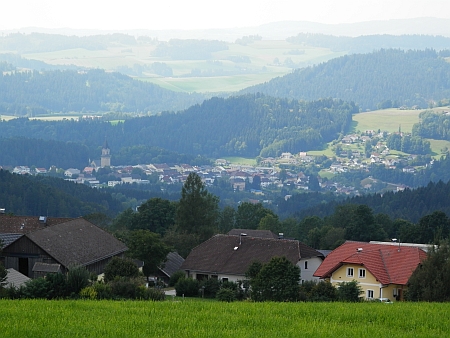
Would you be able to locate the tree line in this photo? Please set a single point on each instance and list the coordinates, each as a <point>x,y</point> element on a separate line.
<point>249,125</point>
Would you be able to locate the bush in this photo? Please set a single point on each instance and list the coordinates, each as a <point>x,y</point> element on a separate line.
<point>36,288</point>
<point>57,285</point>
<point>210,287</point>
<point>349,291</point>
<point>323,292</point>
<point>88,293</point>
<point>125,288</point>
<point>151,294</point>
<point>175,277</point>
<point>226,295</point>
<point>103,290</point>
<point>77,279</point>
<point>120,267</point>
<point>187,287</point>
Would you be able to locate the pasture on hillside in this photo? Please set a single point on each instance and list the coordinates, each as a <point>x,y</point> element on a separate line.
<point>389,120</point>
<point>196,318</point>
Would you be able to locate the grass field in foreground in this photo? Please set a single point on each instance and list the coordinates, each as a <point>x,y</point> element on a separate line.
<point>41,318</point>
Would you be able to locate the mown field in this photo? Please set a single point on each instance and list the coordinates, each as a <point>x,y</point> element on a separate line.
<point>41,318</point>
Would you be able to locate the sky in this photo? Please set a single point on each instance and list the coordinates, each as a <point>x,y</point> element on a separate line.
<point>204,14</point>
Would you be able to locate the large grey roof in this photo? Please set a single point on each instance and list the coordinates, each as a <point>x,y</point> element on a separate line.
<point>15,278</point>
<point>253,233</point>
<point>77,242</point>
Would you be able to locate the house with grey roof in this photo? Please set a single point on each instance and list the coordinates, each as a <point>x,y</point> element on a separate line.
<point>228,257</point>
<point>73,242</point>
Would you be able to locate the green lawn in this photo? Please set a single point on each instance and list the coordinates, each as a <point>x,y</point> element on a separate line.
<point>389,120</point>
<point>42,318</point>
<point>241,160</point>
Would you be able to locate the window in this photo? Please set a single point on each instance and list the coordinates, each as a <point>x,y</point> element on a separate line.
<point>349,272</point>
<point>306,265</point>
<point>369,294</point>
<point>362,273</point>
<point>224,279</point>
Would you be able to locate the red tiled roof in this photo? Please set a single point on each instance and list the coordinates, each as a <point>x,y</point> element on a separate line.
<point>388,264</point>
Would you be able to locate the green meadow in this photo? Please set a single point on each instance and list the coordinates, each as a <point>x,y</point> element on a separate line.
<point>42,318</point>
<point>389,120</point>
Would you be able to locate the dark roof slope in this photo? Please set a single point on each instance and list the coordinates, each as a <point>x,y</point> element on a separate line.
<point>77,242</point>
<point>7,239</point>
<point>253,233</point>
<point>172,264</point>
<point>25,224</point>
<point>224,254</point>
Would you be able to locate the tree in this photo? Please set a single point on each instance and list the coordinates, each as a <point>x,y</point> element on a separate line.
<point>198,210</point>
<point>271,223</point>
<point>429,282</point>
<point>249,215</point>
<point>349,291</point>
<point>227,219</point>
<point>148,247</point>
<point>120,267</point>
<point>276,281</point>
<point>156,215</point>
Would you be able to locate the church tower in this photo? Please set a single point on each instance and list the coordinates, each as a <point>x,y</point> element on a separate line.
<point>105,160</point>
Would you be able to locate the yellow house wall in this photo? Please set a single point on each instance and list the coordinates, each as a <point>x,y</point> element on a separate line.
<point>367,283</point>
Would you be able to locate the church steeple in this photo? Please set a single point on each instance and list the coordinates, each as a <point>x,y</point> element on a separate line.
<point>105,160</point>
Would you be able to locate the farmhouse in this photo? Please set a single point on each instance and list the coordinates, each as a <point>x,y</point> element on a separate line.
<point>381,270</point>
<point>228,257</point>
<point>35,245</point>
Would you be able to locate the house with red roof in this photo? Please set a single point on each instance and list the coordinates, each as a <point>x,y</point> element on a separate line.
<point>381,270</point>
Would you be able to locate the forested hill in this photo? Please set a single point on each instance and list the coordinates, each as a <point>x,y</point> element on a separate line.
<point>401,77</point>
<point>35,195</point>
<point>248,125</point>
<point>409,204</point>
<point>33,93</point>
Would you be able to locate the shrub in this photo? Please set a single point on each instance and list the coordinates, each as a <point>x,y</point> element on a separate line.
<point>210,287</point>
<point>36,288</point>
<point>151,294</point>
<point>226,295</point>
<point>120,267</point>
<point>77,279</point>
<point>57,285</point>
<point>323,292</point>
<point>103,290</point>
<point>187,287</point>
<point>349,291</point>
<point>175,277</point>
<point>88,293</point>
<point>125,288</point>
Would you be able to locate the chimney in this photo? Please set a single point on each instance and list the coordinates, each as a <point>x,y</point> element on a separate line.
<point>280,235</point>
<point>43,220</point>
<point>2,211</point>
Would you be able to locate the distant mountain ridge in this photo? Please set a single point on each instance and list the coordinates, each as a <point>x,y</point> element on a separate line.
<point>277,30</point>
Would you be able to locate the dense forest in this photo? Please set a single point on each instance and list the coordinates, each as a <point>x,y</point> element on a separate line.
<point>369,43</point>
<point>34,93</point>
<point>409,204</point>
<point>407,78</point>
<point>43,195</point>
<point>248,125</point>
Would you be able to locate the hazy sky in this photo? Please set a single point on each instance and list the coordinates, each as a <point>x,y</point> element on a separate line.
<point>193,14</point>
